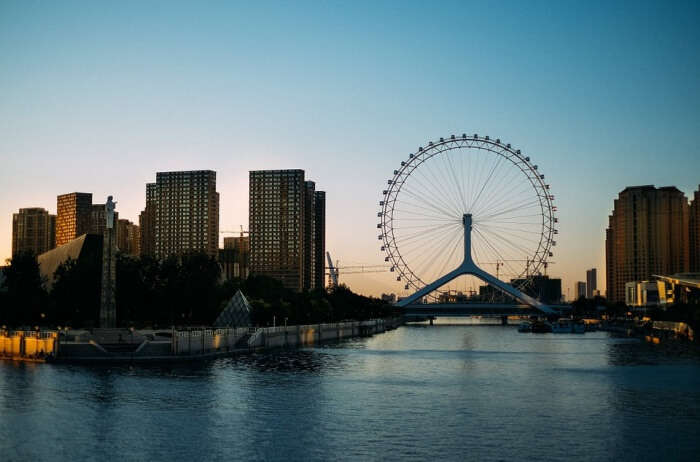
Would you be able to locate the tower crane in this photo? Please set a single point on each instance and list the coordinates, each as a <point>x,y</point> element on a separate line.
<point>334,270</point>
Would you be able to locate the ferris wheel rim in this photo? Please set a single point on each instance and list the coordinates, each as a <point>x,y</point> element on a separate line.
<point>434,148</point>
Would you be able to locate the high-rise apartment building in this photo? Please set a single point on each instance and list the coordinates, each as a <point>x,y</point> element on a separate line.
<point>647,235</point>
<point>591,282</point>
<point>33,231</point>
<point>694,234</point>
<point>185,211</point>
<point>580,289</point>
<point>284,237</point>
<point>73,216</point>
<point>320,239</point>
<point>309,234</point>
<point>128,237</point>
<point>147,222</point>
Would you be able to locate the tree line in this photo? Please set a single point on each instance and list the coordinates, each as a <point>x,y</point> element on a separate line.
<point>178,291</point>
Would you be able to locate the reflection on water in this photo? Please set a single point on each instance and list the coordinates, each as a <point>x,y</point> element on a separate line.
<point>442,392</point>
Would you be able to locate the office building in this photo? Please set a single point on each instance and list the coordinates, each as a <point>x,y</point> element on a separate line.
<point>128,237</point>
<point>694,233</point>
<point>73,217</point>
<point>647,234</point>
<point>33,231</point>
<point>581,290</point>
<point>591,283</point>
<point>284,238</point>
<point>185,212</point>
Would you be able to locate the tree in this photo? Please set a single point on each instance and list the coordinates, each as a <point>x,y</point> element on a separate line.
<point>24,301</point>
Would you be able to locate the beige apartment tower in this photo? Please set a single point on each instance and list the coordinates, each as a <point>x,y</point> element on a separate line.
<point>647,235</point>
<point>33,231</point>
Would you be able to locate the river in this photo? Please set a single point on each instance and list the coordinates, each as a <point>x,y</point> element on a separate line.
<point>441,392</point>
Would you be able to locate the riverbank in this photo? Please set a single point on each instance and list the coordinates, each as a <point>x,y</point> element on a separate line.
<point>651,331</point>
<point>194,344</point>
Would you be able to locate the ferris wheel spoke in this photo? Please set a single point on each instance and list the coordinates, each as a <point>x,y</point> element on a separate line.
<point>510,244</point>
<point>420,234</point>
<point>502,191</point>
<point>411,204</point>
<point>453,176</point>
<point>516,190</point>
<point>511,233</point>
<point>427,258</point>
<point>426,202</point>
<point>431,193</point>
<point>449,258</point>
<point>511,229</point>
<point>438,186</point>
<point>528,203</point>
<point>488,179</point>
<point>488,243</point>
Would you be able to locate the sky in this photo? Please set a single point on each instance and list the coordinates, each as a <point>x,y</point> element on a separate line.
<point>99,96</point>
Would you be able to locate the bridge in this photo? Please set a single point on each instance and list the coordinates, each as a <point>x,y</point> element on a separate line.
<point>527,306</point>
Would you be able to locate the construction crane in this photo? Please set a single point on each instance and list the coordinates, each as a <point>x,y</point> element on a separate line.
<point>234,232</point>
<point>334,270</point>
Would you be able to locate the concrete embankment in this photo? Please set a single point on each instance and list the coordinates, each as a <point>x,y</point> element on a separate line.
<point>124,345</point>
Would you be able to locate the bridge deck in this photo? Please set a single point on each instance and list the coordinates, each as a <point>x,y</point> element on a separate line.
<point>470,309</point>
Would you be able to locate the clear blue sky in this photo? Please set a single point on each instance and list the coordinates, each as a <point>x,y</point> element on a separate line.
<point>98,96</point>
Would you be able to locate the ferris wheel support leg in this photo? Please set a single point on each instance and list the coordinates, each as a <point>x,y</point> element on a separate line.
<point>468,267</point>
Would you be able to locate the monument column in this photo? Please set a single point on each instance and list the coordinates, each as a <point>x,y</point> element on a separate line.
<point>108,304</point>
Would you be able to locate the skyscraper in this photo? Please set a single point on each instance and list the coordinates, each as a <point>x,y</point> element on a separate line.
<point>235,257</point>
<point>33,231</point>
<point>284,238</point>
<point>647,234</point>
<point>320,239</point>
<point>186,213</point>
<point>73,216</point>
<point>591,282</point>
<point>694,234</point>
<point>580,289</point>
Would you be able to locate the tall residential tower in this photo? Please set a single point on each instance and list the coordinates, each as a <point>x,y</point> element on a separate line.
<point>647,235</point>
<point>33,231</point>
<point>287,229</point>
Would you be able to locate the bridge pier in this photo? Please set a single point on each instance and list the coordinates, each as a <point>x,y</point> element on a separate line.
<point>504,320</point>
<point>431,321</point>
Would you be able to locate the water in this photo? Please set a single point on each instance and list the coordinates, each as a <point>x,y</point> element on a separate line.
<point>443,392</point>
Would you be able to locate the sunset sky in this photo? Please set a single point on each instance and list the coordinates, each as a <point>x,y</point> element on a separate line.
<point>99,96</point>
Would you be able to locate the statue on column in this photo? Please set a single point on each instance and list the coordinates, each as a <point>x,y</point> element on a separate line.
<point>109,212</point>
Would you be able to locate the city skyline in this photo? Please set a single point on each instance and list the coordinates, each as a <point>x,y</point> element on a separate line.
<point>600,128</point>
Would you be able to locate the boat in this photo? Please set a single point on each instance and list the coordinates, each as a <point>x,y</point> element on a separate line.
<point>541,327</point>
<point>568,326</point>
<point>525,326</point>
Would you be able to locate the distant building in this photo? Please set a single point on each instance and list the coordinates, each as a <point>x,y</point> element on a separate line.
<point>184,209</point>
<point>128,237</point>
<point>147,222</point>
<point>73,216</point>
<point>694,234</point>
<point>647,234</point>
<point>545,289</point>
<point>389,298</point>
<point>33,231</point>
<point>644,293</point>
<point>234,258</point>
<point>591,282</point>
<point>581,290</point>
<point>287,230</point>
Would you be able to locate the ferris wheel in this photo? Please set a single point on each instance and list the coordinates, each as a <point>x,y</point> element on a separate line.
<point>423,210</point>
